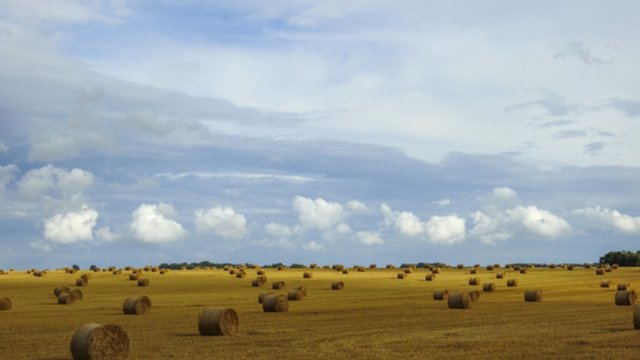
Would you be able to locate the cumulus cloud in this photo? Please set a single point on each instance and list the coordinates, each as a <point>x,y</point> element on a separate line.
<point>313,246</point>
<point>278,230</point>
<point>369,238</point>
<point>223,221</point>
<point>7,174</point>
<point>442,202</point>
<point>406,222</point>
<point>52,182</point>
<point>355,206</point>
<point>504,194</point>
<point>105,234</point>
<point>3,148</point>
<point>605,219</point>
<point>518,221</point>
<point>318,214</point>
<point>152,223</point>
<point>447,229</point>
<point>71,227</point>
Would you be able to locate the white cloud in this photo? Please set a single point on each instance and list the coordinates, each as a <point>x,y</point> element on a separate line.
<point>606,219</point>
<point>343,229</point>
<point>369,238</point>
<point>313,246</point>
<point>278,230</point>
<point>105,234</point>
<point>275,243</point>
<point>539,222</point>
<point>152,224</point>
<point>355,205</point>
<point>71,227</point>
<point>223,221</point>
<point>447,229</point>
<point>442,202</point>
<point>504,194</point>
<point>488,229</point>
<point>7,174</point>
<point>406,222</point>
<point>318,214</point>
<point>50,181</point>
<point>3,148</point>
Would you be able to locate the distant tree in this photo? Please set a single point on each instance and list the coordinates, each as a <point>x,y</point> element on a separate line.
<point>75,267</point>
<point>92,267</point>
<point>297,266</point>
<point>622,258</point>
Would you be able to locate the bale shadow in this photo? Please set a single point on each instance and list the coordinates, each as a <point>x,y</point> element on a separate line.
<point>187,335</point>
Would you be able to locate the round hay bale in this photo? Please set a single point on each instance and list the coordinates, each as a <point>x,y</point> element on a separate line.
<point>408,271</point>
<point>303,289</point>
<point>136,305</point>
<point>277,285</point>
<point>401,275</point>
<point>459,301</point>
<point>623,286</point>
<point>523,271</point>
<point>240,275</point>
<point>489,267</point>
<point>134,276</point>
<point>96,341</point>
<point>636,316</point>
<point>5,304</point>
<point>533,295</point>
<point>307,275</point>
<point>460,266</point>
<point>390,266</point>
<point>337,285</point>
<point>627,297</point>
<point>512,282</point>
<point>82,282</point>
<point>255,283</point>
<point>67,299</point>
<point>489,287</point>
<point>605,283</point>
<point>262,296</point>
<point>77,293</point>
<point>218,322</point>
<point>275,303</point>
<point>599,271</point>
<point>295,295</point>
<point>61,290</point>
<point>86,276</point>
<point>430,277</point>
<point>441,295</point>
<point>500,276</point>
<point>435,270</point>
<point>474,281</point>
<point>473,271</point>
<point>143,282</point>
<point>373,266</point>
<point>474,295</point>
<point>261,272</point>
<point>345,271</point>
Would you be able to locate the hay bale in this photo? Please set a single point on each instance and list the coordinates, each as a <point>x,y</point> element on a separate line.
<point>570,267</point>
<point>136,305</point>
<point>86,276</point>
<point>256,283</point>
<point>523,271</point>
<point>275,303</point>
<point>390,266</point>
<point>67,299</point>
<point>430,277</point>
<point>5,304</point>
<point>218,322</point>
<point>440,295</point>
<point>473,271</point>
<point>408,271</point>
<point>474,295</point>
<point>295,295</point>
<point>261,272</point>
<point>459,301</point>
<point>134,276</point>
<point>636,316</point>
<point>489,267</point>
<point>262,296</point>
<point>143,282</point>
<point>605,283</point>
<point>61,290</point>
<point>77,293</point>
<point>307,275</point>
<point>337,285</point>
<point>401,275</point>
<point>435,271</point>
<point>82,282</point>
<point>460,266</point>
<point>600,271</point>
<point>373,266</point>
<point>345,271</point>
<point>489,287</point>
<point>474,281</point>
<point>623,286</point>
<point>627,297</point>
<point>303,289</point>
<point>512,282</point>
<point>277,285</point>
<point>533,295</point>
<point>96,341</point>
<point>240,275</point>
<point>499,275</point>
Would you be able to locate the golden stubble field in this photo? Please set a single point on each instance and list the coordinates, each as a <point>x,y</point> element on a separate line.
<point>376,316</point>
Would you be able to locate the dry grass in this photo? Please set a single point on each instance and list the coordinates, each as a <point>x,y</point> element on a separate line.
<point>374,317</point>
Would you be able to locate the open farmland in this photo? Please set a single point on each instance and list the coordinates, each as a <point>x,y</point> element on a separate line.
<point>376,315</point>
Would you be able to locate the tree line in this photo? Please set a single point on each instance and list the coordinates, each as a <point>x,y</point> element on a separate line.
<point>622,258</point>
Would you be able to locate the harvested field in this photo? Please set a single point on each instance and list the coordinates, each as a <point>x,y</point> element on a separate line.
<point>373,317</point>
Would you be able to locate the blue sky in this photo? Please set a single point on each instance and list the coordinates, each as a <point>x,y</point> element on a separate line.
<point>139,132</point>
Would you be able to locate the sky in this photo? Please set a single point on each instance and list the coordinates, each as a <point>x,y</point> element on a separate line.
<point>138,132</point>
